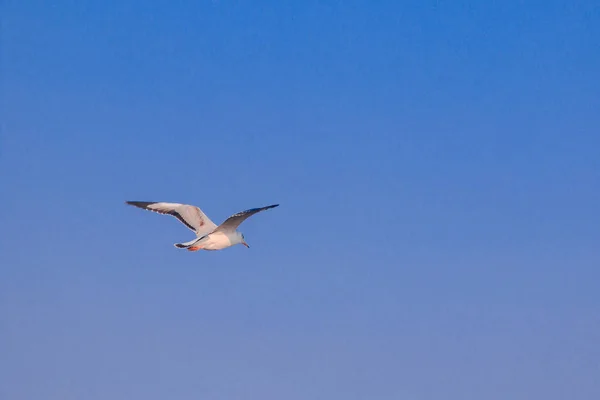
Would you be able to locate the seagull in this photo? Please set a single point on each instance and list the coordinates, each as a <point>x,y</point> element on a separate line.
<point>209,236</point>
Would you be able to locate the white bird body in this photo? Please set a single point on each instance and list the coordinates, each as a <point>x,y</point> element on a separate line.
<point>209,236</point>
<point>214,241</point>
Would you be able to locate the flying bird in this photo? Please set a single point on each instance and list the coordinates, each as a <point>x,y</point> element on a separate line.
<point>209,236</point>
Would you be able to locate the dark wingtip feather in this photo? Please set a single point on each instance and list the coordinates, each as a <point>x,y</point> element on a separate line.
<point>140,204</point>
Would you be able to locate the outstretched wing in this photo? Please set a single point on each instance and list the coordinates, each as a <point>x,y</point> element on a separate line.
<point>231,223</point>
<point>190,216</point>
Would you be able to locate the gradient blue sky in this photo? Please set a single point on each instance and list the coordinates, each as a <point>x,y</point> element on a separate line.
<point>437,165</point>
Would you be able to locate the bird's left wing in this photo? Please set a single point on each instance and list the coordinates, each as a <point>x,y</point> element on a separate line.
<point>190,216</point>
<point>231,223</point>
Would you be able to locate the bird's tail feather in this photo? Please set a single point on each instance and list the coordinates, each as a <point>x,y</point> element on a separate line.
<point>186,244</point>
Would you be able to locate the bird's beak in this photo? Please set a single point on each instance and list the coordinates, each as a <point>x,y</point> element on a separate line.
<point>245,244</point>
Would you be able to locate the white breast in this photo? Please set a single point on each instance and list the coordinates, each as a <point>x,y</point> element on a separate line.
<point>216,241</point>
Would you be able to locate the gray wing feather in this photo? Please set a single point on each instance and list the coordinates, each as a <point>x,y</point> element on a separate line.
<point>231,223</point>
<point>190,216</point>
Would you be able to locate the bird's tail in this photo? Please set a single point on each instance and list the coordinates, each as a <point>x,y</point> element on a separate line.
<point>186,244</point>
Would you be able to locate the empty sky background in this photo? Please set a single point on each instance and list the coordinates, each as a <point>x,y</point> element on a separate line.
<point>437,165</point>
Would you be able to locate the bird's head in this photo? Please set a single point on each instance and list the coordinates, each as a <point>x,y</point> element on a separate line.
<point>241,239</point>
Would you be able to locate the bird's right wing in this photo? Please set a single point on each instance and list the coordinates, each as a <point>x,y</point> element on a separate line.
<point>190,216</point>
<point>235,220</point>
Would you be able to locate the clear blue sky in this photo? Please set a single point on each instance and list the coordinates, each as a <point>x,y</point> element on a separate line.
<point>437,165</point>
